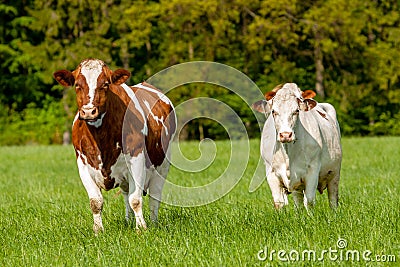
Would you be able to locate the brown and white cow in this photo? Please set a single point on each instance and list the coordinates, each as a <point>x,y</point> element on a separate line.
<point>121,135</point>
<point>300,145</point>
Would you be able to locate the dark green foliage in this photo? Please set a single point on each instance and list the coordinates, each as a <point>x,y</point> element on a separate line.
<point>347,51</point>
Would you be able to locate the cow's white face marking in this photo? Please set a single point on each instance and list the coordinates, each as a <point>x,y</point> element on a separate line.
<point>91,69</point>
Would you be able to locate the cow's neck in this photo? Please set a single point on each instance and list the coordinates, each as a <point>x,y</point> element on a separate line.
<point>301,150</point>
<point>295,148</point>
<point>109,132</point>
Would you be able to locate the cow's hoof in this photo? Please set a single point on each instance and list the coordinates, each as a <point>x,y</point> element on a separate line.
<point>279,205</point>
<point>97,229</point>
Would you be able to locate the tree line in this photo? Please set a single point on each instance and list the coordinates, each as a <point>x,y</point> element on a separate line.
<point>347,51</point>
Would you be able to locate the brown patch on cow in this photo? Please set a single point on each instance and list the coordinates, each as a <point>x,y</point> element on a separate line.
<point>101,95</point>
<point>86,145</point>
<point>285,189</point>
<point>323,115</point>
<point>107,73</point>
<point>96,205</point>
<point>133,143</point>
<point>81,90</point>
<point>135,203</point>
<point>309,104</point>
<point>157,139</point>
<point>109,183</point>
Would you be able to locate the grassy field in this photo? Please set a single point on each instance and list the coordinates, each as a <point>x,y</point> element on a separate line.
<point>45,218</point>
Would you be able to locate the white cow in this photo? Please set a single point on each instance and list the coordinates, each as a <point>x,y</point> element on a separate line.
<point>300,145</point>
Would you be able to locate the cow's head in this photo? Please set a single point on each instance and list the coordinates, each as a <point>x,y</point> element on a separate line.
<point>91,79</point>
<point>285,104</point>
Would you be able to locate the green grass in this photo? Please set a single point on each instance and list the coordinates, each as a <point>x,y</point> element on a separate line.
<point>45,218</point>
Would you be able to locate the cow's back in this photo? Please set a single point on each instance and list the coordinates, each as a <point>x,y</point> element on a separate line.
<point>330,131</point>
<point>322,126</point>
<point>161,121</point>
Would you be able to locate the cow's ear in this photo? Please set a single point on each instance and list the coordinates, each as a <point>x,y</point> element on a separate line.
<point>269,95</point>
<point>120,76</point>
<point>307,94</point>
<point>64,77</point>
<point>261,106</point>
<point>307,104</point>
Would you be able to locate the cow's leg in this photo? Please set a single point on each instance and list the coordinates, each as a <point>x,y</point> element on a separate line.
<point>298,197</point>
<point>333,191</point>
<point>311,183</point>
<point>124,186</point>
<point>278,192</point>
<point>128,208</point>
<point>136,186</point>
<point>94,193</point>
<point>156,185</point>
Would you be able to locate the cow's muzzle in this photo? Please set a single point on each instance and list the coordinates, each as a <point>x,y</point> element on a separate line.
<point>89,114</point>
<point>286,137</point>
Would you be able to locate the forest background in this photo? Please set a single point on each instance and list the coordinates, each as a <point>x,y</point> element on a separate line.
<point>347,51</point>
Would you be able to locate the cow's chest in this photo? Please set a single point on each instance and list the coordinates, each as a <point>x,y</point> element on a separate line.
<point>114,176</point>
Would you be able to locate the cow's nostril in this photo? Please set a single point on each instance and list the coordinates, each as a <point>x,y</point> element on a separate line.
<point>286,136</point>
<point>94,111</point>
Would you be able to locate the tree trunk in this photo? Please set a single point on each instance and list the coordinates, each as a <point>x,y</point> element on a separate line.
<point>184,133</point>
<point>67,109</point>
<point>191,52</point>
<point>201,131</point>
<point>319,73</point>
<point>319,66</point>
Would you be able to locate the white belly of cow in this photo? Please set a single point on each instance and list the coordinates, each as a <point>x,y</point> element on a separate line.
<point>120,172</point>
